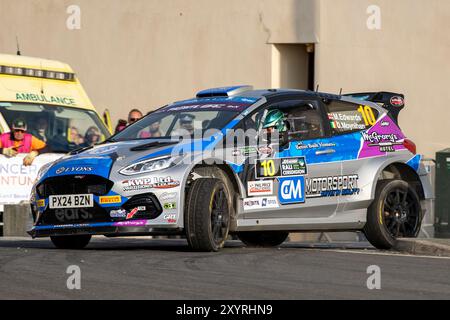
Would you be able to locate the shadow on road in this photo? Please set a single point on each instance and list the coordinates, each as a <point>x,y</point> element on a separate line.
<point>170,245</point>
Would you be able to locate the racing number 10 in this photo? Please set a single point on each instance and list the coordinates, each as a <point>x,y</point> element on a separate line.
<point>269,168</point>
<point>368,115</point>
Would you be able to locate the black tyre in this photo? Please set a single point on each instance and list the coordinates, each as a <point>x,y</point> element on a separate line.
<point>71,242</point>
<point>207,214</point>
<point>394,213</point>
<point>263,238</point>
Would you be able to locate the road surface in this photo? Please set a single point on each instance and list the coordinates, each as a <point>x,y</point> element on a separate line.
<point>125,268</point>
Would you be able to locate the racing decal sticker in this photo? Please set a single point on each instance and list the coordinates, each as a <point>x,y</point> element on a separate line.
<point>346,121</point>
<point>260,203</point>
<point>283,167</point>
<point>260,188</point>
<point>166,196</point>
<point>291,190</point>
<point>78,169</point>
<point>244,152</point>
<point>385,142</point>
<point>110,199</point>
<point>131,214</point>
<point>315,145</point>
<point>170,218</point>
<point>135,223</point>
<point>170,205</point>
<point>121,213</point>
<point>332,186</point>
<point>265,150</point>
<point>385,136</point>
<point>40,203</point>
<point>149,183</point>
<point>397,101</point>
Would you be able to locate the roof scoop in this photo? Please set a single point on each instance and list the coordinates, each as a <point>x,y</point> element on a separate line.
<point>224,91</point>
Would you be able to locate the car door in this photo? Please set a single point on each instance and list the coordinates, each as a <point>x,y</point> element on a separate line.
<point>291,180</point>
<point>348,121</point>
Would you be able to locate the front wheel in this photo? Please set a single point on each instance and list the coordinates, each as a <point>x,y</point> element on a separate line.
<point>395,213</point>
<point>263,238</point>
<point>207,214</point>
<point>71,242</point>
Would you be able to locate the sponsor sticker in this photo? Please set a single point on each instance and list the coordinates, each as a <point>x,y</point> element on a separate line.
<point>265,150</point>
<point>261,203</point>
<point>170,218</point>
<point>260,188</point>
<point>397,101</point>
<point>291,190</point>
<point>110,199</point>
<point>40,203</point>
<point>74,170</point>
<point>121,213</point>
<point>384,141</point>
<point>168,196</point>
<point>149,183</point>
<point>170,205</point>
<point>283,167</point>
<point>332,186</point>
<point>316,145</point>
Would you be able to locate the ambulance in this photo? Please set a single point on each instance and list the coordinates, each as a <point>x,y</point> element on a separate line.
<point>48,96</point>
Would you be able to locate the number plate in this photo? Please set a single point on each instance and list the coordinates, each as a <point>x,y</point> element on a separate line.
<point>71,201</point>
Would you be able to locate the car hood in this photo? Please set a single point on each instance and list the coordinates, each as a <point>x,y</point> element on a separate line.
<point>101,160</point>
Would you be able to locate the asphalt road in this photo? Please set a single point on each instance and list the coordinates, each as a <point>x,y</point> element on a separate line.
<point>165,269</point>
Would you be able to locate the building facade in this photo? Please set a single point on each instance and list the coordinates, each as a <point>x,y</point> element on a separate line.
<point>146,53</point>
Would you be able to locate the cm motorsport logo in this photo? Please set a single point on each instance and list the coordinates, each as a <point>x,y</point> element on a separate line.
<point>45,99</point>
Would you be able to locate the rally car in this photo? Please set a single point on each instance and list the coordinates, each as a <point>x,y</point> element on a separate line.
<point>255,163</point>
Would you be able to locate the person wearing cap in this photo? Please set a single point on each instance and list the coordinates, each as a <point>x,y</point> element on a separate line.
<point>19,141</point>
<point>187,122</point>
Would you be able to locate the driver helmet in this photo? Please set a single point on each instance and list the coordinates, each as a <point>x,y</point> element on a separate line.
<point>275,119</point>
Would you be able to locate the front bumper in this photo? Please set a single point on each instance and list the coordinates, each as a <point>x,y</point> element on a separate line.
<point>110,229</point>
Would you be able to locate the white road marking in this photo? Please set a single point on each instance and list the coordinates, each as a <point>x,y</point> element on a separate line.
<point>393,254</point>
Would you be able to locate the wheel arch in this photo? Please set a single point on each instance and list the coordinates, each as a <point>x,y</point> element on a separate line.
<point>209,163</point>
<point>401,171</point>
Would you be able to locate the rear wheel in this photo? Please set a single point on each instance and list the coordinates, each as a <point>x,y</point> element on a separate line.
<point>263,239</point>
<point>207,214</point>
<point>395,213</point>
<point>71,242</point>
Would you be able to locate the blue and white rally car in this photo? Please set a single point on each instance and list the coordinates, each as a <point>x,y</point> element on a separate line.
<point>255,163</point>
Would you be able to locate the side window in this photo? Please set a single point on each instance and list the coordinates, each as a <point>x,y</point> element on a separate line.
<point>347,117</point>
<point>305,121</point>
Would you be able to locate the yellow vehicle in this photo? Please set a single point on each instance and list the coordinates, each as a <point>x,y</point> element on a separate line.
<point>49,98</point>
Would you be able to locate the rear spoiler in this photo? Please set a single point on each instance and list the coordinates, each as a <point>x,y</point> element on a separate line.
<point>392,102</point>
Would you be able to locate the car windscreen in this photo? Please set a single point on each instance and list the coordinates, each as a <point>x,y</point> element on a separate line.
<point>63,129</point>
<point>194,119</point>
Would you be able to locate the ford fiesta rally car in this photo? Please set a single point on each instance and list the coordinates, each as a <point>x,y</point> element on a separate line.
<point>303,161</point>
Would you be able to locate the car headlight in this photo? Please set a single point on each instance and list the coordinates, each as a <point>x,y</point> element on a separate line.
<point>150,165</point>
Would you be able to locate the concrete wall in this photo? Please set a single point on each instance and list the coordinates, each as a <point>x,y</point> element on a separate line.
<point>146,53</point>
<point>410,54</point>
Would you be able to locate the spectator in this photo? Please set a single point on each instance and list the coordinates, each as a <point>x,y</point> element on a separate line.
<point>153,131</point>
<point>41,129</point>
<point>92,136</point>
<point>134,116</point>
<point>75,136</point>
<point>19,141</point>
<point>121,124</point>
